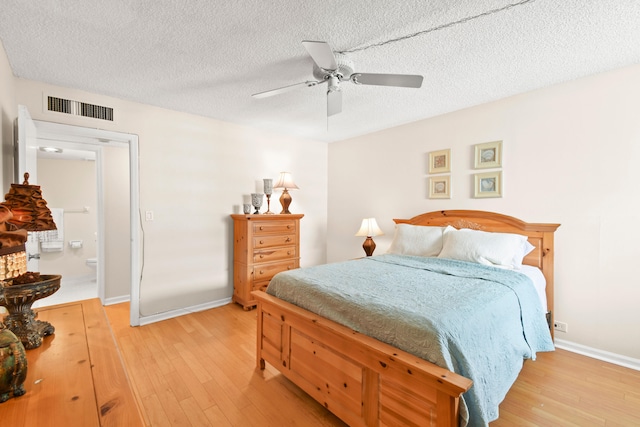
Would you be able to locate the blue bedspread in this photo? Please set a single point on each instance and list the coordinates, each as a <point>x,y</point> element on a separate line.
<point>478,321</point>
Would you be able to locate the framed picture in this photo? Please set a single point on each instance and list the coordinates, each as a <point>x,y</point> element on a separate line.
<point>488,155</point>
<point>440,187</point>
<point>488,184</point>
<point>440,161</point>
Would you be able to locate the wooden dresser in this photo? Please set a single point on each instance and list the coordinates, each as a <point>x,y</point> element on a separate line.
<point>263,245</point>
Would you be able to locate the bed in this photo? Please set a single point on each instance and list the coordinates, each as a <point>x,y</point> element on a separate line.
<point>372,382</point>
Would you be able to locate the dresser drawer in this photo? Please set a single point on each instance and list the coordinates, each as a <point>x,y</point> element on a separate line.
<point>267,271</point>
<point>272,227</point>
<point>270,241</point>
<point>266,255</point>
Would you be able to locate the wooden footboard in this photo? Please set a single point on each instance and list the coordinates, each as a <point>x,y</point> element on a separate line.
<point>361,380</point>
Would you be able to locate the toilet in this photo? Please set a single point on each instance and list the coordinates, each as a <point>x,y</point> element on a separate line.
<point>92,262</point>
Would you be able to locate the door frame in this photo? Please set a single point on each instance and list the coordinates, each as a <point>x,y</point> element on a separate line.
<point>94,139</point>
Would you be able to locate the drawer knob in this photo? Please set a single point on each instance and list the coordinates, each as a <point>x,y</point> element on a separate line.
<point>261,272</point>
<point>261,256</point>
<point>288,226</point>
<point>288,239</point>
<point>288,267</point>
<point>261,228</point>
<point>262,242</point>
<point>288,252</point>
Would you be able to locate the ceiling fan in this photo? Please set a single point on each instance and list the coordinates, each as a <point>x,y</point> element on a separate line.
<point>334,68</point>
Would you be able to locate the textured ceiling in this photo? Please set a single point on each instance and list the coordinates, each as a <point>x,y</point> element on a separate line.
<point>208,57</point>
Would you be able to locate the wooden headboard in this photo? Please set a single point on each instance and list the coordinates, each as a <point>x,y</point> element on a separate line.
<point>539,235</point>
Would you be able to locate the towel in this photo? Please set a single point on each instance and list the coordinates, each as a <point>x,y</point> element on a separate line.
<point>55,244</point>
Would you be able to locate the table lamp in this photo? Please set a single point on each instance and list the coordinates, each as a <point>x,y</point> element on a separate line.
<point>285,182</point>
<point>26,212</point>
<point>369,228</point>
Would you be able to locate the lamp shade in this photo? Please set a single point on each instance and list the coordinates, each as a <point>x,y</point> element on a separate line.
<point>369,228</point>
<point>30,211</point>
<point>285,181</point>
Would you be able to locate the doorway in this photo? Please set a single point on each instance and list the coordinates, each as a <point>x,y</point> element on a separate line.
<point>70,186</point>
<point>33,133</point>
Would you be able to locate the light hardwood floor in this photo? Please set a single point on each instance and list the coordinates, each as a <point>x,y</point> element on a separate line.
<point>199,370</point>
<point>76,377</point>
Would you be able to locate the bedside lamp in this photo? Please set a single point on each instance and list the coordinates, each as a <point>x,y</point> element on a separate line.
<point>369,228</point>
<point>285,182</point>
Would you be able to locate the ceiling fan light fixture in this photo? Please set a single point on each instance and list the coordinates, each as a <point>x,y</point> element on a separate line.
<point>334,67</point>
<point>334,83</point>
<point>344,68</point>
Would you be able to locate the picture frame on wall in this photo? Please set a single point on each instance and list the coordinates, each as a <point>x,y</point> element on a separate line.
<point>488,184</point>
<point>440,187</point>
<point>488,155</point>
<point>440,161</point>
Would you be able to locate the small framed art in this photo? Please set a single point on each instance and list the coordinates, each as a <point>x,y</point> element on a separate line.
<point>440,187</point>
<point>488,184</point>
<point>440,161</point>
<point>488,155</point>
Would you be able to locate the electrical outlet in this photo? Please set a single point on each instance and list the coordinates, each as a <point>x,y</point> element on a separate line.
<point>148,216</point>
<point>560,326</point>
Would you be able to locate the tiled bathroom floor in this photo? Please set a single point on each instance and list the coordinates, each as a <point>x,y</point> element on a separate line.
<point>75,289</point>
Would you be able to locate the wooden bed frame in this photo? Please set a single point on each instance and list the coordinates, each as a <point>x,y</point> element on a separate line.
<point>369,383</point>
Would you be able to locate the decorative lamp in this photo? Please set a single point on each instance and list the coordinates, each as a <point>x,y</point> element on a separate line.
<point>268,191</point>
<point>285,181</point>
<point>24,213</point>
<point>369,228</point>
<point>30,211</point>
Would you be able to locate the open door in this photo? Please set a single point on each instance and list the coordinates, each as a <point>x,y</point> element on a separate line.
<point>26,160</point>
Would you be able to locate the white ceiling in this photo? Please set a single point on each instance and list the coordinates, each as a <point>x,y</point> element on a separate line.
<point>208,57</point>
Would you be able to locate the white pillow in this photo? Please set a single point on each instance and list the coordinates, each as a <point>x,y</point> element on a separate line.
<point>497,249</point>
<point>416,240</point>
<point>519,257</point>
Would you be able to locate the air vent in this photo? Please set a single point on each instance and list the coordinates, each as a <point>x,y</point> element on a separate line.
<point>78,108</point>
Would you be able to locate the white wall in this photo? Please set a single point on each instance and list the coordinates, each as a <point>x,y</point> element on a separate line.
<point>194,173</point>
<point>70,185</point>
<point>117,235</point>
<point>571,156</point>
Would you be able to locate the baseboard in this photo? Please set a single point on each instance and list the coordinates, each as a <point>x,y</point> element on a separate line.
<point>145,320</point>
<point>116,300</point>
<point>616,359</point>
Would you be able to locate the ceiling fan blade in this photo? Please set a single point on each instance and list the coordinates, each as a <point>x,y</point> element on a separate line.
<point>334,102</point>
<point>285,89</point>
<point>401,80</point>
<point>322,54</point>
